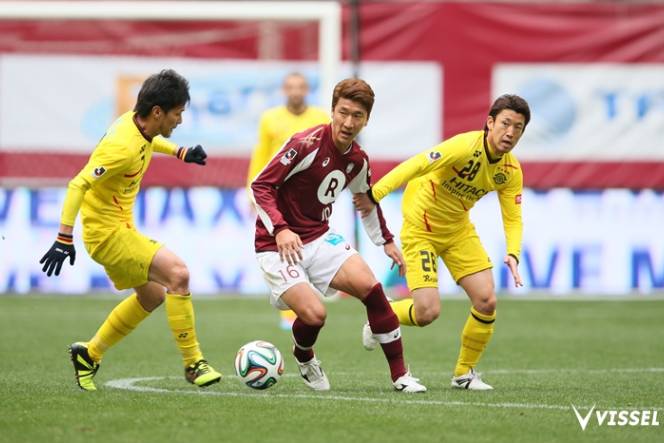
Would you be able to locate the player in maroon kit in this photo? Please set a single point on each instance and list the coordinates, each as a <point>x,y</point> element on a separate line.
<point>298,251</point>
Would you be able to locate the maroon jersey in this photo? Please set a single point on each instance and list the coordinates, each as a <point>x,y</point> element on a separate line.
<point>297,188</point>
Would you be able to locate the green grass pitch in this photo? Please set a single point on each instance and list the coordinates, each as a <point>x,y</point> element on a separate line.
<point>545,356</point>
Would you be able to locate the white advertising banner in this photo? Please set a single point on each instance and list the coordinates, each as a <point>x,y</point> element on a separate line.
<point>589,112</point>
<point>594,243</point>
<point>75,98</point>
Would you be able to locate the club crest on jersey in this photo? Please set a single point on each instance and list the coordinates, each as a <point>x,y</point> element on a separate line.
<point>98,171</point>
<point>434,155</point>
<point>326,161</point>
<point>310,139</point>
<point>517,199</point>
<point>288,157</point>
<point>350,167</point>
<point>500,178</point>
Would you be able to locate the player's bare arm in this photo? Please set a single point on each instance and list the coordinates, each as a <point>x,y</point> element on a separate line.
<point>513,266</point>
<point>392,251</point>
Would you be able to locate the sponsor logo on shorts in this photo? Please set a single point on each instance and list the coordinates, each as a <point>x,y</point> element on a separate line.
<point>517,199</point>
<point>334,239</point>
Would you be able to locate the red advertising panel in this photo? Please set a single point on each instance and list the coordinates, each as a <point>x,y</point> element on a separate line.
<point>591,72</point>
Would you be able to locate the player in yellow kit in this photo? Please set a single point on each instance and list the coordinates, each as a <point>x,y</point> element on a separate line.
<point>444,183</point>
<point>276,126</point>
<point>104,192</point>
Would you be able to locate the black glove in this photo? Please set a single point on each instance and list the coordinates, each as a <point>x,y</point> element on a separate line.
<point>193,155</point>
<point>58,253</point>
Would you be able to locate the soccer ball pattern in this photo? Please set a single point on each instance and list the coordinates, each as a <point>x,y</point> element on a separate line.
<point>259,364</point>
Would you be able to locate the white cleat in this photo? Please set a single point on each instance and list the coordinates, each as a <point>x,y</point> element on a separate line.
<point>313,375</point>
<point>470,380</point>
<point>409,384</point>
<point>368,340</point>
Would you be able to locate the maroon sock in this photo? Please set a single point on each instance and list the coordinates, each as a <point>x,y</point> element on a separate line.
<point>382,320</point>
<point>305,336</point>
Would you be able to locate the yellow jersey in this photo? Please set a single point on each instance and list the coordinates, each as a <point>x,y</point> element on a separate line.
<point>277,125</point>
<point>446,181</point>
<point>105,189</point>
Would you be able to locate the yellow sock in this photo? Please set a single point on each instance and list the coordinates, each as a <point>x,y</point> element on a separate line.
<point>180,313</point>
<point>476,334</point>
<point>119,323</point>
<point>405,310</point>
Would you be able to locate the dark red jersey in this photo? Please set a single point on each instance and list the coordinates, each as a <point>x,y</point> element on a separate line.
<point>297,188</point>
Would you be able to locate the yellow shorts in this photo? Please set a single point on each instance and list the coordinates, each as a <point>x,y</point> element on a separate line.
<point>126,256</point>
<point>461,251</point>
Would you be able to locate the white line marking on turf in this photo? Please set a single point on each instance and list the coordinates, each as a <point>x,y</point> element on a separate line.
<point>130,384</point>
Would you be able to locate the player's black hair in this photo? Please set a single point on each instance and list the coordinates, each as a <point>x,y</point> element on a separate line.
<point>512,102</point>
<point>167,89</point>
<point>354,89</point>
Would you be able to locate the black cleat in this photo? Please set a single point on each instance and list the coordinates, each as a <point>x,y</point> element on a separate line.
<point>85,368</point>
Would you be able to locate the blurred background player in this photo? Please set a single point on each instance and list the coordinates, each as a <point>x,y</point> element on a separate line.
<point>105,191</point>
<point>276,126</point>
<point>296,249</point>
<point>444,183</point>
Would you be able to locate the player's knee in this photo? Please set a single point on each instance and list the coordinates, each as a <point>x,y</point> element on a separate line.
<point>427,315</point>
<point>313,315</point>
<point>179,279</point>
<point>486,304</point>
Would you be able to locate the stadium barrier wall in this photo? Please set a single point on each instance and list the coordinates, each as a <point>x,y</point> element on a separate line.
<point>594,243</point>
<point>591,71</point>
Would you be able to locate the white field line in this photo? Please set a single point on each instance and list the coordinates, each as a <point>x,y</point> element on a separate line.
<point>129,384</point>
<point>132,384</point>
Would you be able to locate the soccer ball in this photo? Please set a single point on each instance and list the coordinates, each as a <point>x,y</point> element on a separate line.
<point>259,364</point>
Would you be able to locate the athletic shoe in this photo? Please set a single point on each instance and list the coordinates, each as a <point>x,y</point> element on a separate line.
<point>201,374</point>
<point>85,368</point>
<point>368,340</point>
<point>409,384</point>
<point>313,375</point>
<point>470,380</point>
